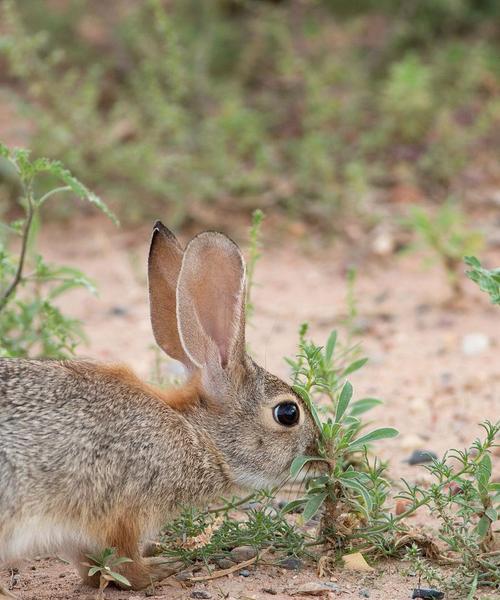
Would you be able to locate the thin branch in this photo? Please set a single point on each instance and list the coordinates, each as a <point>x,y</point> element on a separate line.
<point>19,271</point>
<point>65,188</point>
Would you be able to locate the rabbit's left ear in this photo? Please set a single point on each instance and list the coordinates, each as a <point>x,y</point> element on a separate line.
<point>210,303</point>
<point>164,265</point>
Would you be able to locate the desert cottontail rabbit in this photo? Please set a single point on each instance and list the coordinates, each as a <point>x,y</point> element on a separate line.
<point>91,457</point>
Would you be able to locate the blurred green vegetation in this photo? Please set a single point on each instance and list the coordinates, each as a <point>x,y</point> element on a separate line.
<point>308,106</point>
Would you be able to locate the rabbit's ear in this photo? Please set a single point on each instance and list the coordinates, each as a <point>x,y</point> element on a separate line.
<point>210,302</point>
<point>164,265</point>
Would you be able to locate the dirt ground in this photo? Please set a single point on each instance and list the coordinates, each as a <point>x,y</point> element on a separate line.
<point>435,389</point>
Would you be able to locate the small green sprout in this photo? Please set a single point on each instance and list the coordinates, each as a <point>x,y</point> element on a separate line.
<point>105,564</point>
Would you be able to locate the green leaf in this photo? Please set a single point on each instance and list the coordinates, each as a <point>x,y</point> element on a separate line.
<point>355,484</point>
<point>291,506</point>
<point>355,366</point>
<point>364,405</point>
<point>483,474</point>
<point>483,526</point>
<point>376,434</point>
<point>94,570</point>
<point>330,346</point>
<point>343,402</point>
<point>491,513</point>
<point>299,462</point>
<point>313,505</point>
<point>120,578</point>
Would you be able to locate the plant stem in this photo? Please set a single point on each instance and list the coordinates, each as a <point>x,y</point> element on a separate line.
<point>65,188</point>
<point>30,211</point>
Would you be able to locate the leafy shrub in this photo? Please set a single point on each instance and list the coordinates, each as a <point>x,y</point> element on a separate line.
<point>31,324</point>
<point>225,100</point>
<point>447,237</point>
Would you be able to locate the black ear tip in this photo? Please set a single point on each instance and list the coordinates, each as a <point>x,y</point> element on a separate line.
<point>159,227</point>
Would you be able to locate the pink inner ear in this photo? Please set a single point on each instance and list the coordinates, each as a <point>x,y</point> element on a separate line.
<point>217,300</point>
<point>210,299</point>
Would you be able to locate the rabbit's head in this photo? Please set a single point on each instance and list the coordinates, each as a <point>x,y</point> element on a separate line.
<point>197,300</point>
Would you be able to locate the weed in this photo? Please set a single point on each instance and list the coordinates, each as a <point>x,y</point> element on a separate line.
<point>215,101</point>
<point>487,279</point>
<point>31,323</point>
<point>446,235</point>
<point>254,255</point>
<point>356,494</point>
<point>105,564</point>
<point>466,504</point>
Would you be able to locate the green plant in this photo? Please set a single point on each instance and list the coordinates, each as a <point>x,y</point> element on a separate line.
<point>211,535</point>
<point>465,502</point>
<point>105,565</point>
<point>358,493</point>
<point>211,100</point>
<point>446,235</point>
<point>487,279</point>
<point>254,254</point>
<point>30,321</point>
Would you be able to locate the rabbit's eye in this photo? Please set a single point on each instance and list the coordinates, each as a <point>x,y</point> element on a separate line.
<point>286,413</point>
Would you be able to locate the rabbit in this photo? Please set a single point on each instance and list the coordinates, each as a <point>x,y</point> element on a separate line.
<point>91,457</point>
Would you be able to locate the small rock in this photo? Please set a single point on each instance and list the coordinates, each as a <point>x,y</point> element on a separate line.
<point>225,563</point>
<point>245,573</point>
<point>364,593</point>
<point>200,594</point>
<point>419,457</point>
<point>242,553</point>
<point>118,311</point>
<point>314,589</point>
<point>425,594</point>
<point>402,506</point>
<point>62,575</point>
<point>356,562</point>
<point>271,591</point>
<point>291,563</point>
<point>475,343</point>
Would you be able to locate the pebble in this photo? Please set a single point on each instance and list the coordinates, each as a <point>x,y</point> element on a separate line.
<point>419,457</point>
<point>475,343</point>
<point>291,563</point>
<point>364,593</point>
<point>402,506</point>
<point>245,573</point>
<point>225,563</point>
<point>427,594</point>
<point>271,591</point>
<point>118,311</point>
<point>242,553</point>
<point>203,594</point>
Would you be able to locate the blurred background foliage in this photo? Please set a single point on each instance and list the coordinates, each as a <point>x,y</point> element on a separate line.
<point>319,108</point>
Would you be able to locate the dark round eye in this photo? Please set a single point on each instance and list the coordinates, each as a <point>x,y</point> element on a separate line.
<point>286,413</point>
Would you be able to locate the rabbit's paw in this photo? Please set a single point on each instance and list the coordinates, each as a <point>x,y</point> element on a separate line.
<point>161,567</point>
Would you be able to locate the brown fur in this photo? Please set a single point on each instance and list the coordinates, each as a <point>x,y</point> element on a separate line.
<point>180,399</point>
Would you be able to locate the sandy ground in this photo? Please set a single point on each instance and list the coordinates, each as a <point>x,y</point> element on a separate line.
<point>434,392</point>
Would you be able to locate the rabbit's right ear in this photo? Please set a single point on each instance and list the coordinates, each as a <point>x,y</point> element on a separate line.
<point>164,265</point>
